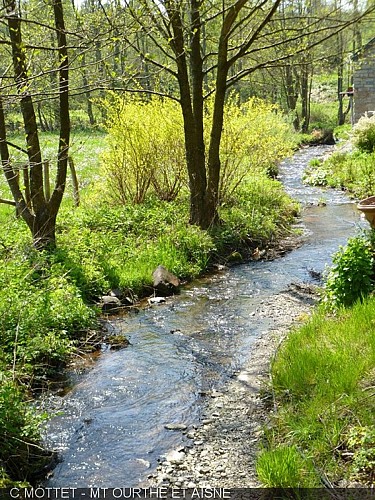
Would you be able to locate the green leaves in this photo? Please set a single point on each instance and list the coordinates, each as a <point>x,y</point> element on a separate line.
<point>351,277</point>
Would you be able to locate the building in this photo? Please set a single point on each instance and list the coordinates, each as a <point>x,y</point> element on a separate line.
<point>364,81</point>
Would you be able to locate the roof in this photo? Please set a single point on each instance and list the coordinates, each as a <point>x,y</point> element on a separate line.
<point>360,52</point>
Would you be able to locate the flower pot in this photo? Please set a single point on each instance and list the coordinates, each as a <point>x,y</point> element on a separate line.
<point>367,206</point>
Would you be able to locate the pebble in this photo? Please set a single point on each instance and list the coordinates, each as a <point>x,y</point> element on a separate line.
<point>146,463</point>
<point>223,452</point>
<point>205,470</point>
<point>175,427</point>
<point>156,300</point>
<point>175,457</point>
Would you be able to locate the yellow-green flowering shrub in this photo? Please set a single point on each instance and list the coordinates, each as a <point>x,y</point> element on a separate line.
<point>145,149</point>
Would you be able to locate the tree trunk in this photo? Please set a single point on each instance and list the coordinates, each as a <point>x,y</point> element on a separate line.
<point>44,230</point>
<point>10,173</point>
<point>198,176</point>
<point>291,94</point>
<point>214,164</point>
<point>305,97</point>
<point>191,101</point>
<point>75,182</point>
<point>85,81</point>
<point>41,215</point>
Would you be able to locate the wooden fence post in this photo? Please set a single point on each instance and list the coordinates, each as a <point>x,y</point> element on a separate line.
<point>74,182</point>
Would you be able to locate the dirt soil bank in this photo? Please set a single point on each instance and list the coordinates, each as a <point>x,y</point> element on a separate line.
<point>222,451</point>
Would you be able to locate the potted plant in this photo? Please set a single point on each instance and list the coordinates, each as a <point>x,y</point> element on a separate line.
<point>367,206</point>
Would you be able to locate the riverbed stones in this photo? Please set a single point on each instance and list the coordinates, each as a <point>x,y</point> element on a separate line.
<point>165,282</point>
<point>109,303</point>
<point>175,427</point>
<point>120,294</point>
<point>156,300</point>
<point>175,457</point>
<point>143,462</point>
<point>224,450</point>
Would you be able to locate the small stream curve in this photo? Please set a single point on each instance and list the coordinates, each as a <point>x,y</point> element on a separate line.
<point>110,428</point>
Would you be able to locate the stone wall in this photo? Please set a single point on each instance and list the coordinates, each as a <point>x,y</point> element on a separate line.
<point>364,82</point>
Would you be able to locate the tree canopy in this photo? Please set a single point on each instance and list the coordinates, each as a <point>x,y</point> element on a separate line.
<point>58,56</point>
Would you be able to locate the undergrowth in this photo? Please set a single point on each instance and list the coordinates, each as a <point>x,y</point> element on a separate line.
<point>323,378</point>
<point>353,171</point>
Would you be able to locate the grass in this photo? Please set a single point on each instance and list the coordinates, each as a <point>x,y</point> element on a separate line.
<point>354,172</point>
<point>323,379</point>
<point>86,147</point>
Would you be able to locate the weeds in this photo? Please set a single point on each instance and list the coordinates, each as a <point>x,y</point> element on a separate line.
<point>351,276</point>
<point>317,379</point>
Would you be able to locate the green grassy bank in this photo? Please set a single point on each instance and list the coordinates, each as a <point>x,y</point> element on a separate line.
<point>352,167</point>
<point>323,429</point>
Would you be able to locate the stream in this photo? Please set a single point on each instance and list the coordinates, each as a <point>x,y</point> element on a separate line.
<point>110,428</point>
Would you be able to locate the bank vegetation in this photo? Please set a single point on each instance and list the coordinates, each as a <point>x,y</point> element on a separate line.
<point>321,431</point>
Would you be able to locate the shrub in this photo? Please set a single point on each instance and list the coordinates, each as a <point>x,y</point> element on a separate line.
<point>256,136</point>
<point>351,276</point>
<point>145,148</point>
<point>19,434</point>
<point>323,115</point>
<point>364,134</point>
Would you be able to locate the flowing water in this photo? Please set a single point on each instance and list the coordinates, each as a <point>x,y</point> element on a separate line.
<point>110,431</point>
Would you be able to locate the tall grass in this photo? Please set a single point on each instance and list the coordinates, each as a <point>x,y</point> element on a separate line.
<point>321,377</point>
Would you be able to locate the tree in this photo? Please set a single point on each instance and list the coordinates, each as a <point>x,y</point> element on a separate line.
<point>240,38</point>
<point>36,209</point>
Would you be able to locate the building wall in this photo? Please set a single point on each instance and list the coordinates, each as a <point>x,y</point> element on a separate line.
<point>364,82</point>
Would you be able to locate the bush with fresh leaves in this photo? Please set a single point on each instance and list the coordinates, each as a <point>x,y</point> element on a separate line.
<point>145,148</point>
<point>256,136</point>
<point>364,134</point>
<point>351,276</point>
